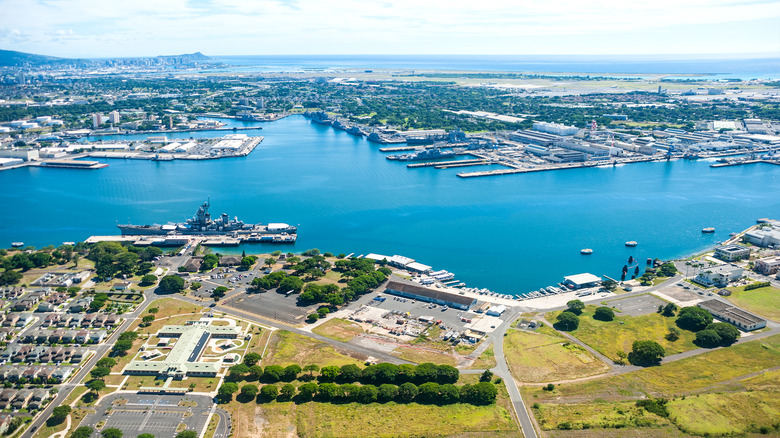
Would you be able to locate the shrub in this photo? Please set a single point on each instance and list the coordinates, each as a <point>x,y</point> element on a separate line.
<point>604,314</point>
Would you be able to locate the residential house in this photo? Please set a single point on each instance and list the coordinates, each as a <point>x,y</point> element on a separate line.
<point>40,395</point>
<point>22,397</point>
<point>10,320</point>
<point>24,319</point>
<point>64,320</point>
<point>51,319</point>
<point>62,373</point>
<point>7,397</point>
<point>80,305</point>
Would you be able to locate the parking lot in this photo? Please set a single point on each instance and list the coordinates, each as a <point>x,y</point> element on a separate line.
<point>271,304</point>
<point>637,305</point>
<point>682,292</point>
<point>159,415</point>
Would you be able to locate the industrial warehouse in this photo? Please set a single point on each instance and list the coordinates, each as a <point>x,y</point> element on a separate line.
<point>183,359</point>
<point>413,291</point>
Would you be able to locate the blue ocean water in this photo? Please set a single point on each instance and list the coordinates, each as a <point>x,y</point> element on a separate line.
<point>638,66</point>
<point>510,234</point>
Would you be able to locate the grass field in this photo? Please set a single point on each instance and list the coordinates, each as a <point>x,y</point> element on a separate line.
<point>616,415</point>
<point>485,361</point>
<point>708,372</point>
<point>338,329</point>
<point>167,307</point>
<point>610,337</point>
<point>536,357</point>
<point>726,414</point>
<point>764,301</point>
<point>288,348</point>
<point>313,419</point>
<point>421,356</point>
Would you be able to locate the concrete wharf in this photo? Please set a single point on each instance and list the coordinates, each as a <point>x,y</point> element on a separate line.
<point>443,163</point>
<point>741,162</point>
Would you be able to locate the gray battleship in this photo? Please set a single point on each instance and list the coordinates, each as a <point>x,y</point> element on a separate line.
<point>425,154</point>
<point>203,224</point>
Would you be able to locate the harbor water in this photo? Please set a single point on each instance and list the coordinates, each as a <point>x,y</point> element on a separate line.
<point>510,234</point>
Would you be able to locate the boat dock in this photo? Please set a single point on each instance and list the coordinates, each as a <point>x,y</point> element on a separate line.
<point>73,164</point>
<point>442,164</point>
<point>526,170</point>
<point>419,147</point>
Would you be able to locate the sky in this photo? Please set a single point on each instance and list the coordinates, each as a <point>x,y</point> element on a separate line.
<point>124,28</point>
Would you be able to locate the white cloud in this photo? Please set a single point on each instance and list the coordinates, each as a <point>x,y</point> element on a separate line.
<point>148,27</point>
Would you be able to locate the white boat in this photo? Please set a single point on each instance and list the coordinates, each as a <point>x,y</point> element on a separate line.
<point>586,251</point>
<point>17,244</point>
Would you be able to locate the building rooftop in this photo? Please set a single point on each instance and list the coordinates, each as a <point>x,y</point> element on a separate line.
<point>720,308</point>
<point>429,293</point>
<point>583,278</point>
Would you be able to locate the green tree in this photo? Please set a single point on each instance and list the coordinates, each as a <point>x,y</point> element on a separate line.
<point>148,280</point>
<point>145,435</point>
<point>9,278</point>
<point>387,392</point>
<point>273,373</point>
<point>727,332</point>
<point>171,284</point>
<point>269,392</point>
<point>238,371</point>
<point>249,391</point>
<point>669,309</point>
<point>667,270</point>
<point>100,372</point>
<point>693,318</point>
<point>349,373</point>
<point>483,393</point>
<point>486,376</point>
<point>576,306</point>
<point>58,415</point>
<point>111,433</point>
<point>255,372</point>
<point>609,285</point>
<point>195,285</point>
<point>122,346</point>
<point>291,372</point>
<point>209,262</point>
<point>187,434</point>
<point>448,394</point>
<point>108,362</point>
<point>567,321</point>
<point>368,394</point>
<point>226,391</point>
<point>407,392</point>
<point>96,385</point>
<point>673,335</point>
<point>313,317</point>
<point>329,373</point>
<point>604,313</point>
<point>307,391</point>
<point>646,353</point>
<point>252,358</point>
<point>82,432</point>
<point>147,319</point>
<point>287,392</point>
<point>707,338</point>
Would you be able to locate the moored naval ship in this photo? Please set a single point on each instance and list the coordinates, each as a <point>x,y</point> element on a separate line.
<point>203,224</point>
<point>425,154</point>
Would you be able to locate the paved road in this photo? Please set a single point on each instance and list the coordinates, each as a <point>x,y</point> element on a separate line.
<point>502,370</point>
<point>66,389</point>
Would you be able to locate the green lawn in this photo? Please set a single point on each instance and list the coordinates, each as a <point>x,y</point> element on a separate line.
<point>726,414</point>
<point>577,416</point>
<point>288,348</point>
<point>536,357</point>
<point>764,301</point>
<point>712,371</point>
<point>485,361</point>
<point>617,335</point>
<point>338,329</point>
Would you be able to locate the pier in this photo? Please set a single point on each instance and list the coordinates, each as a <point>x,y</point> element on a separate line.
<point>441,164</point>
<point>741,162</point>
<point>527,170</point>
